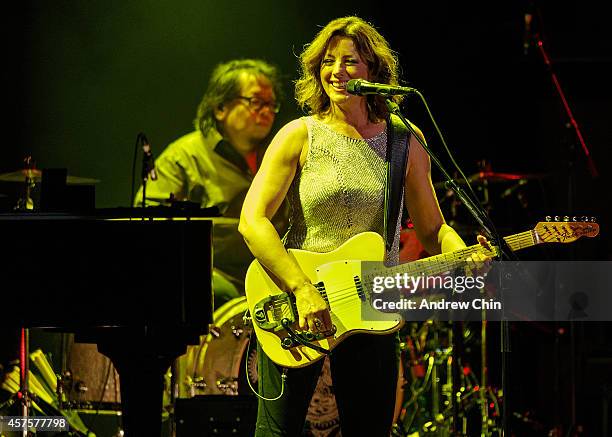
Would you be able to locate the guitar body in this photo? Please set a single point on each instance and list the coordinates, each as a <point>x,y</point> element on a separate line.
<point>335,273</point>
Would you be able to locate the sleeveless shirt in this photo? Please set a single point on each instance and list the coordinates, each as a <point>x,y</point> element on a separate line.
<point>339,192</point>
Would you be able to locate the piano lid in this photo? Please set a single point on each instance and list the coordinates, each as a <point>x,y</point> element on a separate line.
<point>59,270</point>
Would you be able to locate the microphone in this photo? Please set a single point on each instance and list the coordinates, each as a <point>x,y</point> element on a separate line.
<point>147,159</point>
<point>360,87</point>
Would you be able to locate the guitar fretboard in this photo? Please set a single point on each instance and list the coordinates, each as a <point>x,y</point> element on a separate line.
<point>452,260</point>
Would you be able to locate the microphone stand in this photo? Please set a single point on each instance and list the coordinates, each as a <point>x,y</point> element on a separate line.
<point>147,166</point>
<point>487,225</point>
<point>570,200</point>
<point>571,120</point>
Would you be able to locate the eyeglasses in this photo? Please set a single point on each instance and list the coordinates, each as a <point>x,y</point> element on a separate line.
<point>256,104</point>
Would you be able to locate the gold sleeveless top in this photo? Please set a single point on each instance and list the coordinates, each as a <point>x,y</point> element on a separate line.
<point>339,192</point>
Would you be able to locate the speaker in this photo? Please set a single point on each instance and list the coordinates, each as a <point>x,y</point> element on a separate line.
<point>216,415</point>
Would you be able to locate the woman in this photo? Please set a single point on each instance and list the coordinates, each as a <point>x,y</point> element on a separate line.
<point>331,167</point>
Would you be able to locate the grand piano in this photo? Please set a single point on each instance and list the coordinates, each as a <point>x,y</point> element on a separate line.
<point>136,282</point>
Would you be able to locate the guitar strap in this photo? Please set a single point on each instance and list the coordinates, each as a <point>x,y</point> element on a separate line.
<point>397,150</point>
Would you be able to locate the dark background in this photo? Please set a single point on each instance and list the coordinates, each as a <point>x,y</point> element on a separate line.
<point>82,78</point>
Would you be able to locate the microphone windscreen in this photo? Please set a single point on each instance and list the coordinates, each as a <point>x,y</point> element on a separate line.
<point>353,86</point>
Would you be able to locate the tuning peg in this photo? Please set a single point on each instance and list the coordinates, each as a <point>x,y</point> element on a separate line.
<point>566,218</point>
<point>574,219</point>
<point>548,218</point>
<point>557,218</point>
<point>593,219</point>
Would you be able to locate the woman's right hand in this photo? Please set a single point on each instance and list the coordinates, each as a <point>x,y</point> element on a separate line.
<point>312,309</point>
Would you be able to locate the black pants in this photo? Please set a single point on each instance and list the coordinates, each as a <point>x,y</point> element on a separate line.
<point>364,371</point>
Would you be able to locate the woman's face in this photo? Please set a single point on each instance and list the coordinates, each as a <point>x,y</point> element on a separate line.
<point>341,63</point>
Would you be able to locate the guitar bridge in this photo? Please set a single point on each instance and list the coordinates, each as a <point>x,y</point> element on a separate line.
<point>269,312</point>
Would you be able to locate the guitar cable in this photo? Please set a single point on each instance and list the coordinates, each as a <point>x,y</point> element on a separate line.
<point>246,370</point>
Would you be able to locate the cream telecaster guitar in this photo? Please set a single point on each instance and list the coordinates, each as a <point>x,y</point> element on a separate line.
<point>338,277</point>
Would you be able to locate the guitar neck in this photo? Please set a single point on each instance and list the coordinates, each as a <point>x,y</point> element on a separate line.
<point>452,260</point>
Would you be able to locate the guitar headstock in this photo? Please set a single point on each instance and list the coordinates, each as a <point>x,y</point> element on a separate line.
<point>565,229</point>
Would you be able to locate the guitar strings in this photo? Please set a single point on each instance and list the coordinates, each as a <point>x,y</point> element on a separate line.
<point>437,264</point>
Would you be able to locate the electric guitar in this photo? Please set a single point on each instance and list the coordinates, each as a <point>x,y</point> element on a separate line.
<point>338,277</point>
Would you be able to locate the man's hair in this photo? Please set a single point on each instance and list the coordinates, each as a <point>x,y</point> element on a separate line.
<point>372,47</point>
<point>224,86</point>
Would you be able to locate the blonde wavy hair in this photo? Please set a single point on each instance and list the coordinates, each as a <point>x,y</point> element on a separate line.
<point>374,50</point>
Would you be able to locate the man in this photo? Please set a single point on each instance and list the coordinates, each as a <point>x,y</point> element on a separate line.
<point>213,166</point>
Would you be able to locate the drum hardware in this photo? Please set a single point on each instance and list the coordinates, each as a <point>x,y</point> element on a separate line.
<point>228,386</point>
<point>443,396</point>
<point>198,385</point>
<point>80,387</point>
<point>60,391</point>
<point>237,331</point>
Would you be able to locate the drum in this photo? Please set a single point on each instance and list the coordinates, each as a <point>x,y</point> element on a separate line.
<point>93,381</point>
<point>215,365</point>
<point>220,364</point>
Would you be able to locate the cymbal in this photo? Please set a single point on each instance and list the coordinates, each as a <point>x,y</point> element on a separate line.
<point>36,175</point>
<point>494,177</point>
<point>20,175</point>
